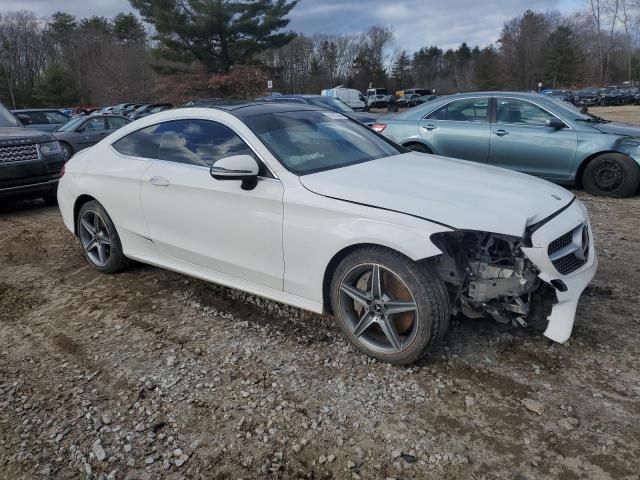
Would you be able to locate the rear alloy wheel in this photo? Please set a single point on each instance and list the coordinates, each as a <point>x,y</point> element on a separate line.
<point>388,306</point>
<point>612,175</point>
<point>99,239</point>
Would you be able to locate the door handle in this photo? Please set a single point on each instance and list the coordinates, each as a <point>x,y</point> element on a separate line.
<point>159,181</point>
<point>429,127</point>
<point>501,133</point>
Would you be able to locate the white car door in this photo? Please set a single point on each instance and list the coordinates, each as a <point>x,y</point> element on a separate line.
<point>211,223</point>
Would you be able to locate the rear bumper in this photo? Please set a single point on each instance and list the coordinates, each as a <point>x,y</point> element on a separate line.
<point>563,312</point>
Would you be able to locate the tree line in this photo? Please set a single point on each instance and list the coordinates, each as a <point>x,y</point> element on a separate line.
<point>175,50</point>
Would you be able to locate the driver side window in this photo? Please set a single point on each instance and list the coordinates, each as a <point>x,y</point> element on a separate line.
<point>511,110</point>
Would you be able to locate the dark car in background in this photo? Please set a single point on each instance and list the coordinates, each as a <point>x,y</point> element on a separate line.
<point>564,95</point>
<point>587,97</point>
<point>409,100</point>
<point>148,109</point>
<point>330,103</point>
<point>613,96</point>
<point>30,160</point>
<point>83,132</point>
<point>45,119</point>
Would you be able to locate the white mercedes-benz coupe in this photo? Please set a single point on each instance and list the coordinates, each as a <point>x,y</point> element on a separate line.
<point>307,207</point>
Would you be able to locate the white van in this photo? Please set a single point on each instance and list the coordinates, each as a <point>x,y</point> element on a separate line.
<point>350,96</point>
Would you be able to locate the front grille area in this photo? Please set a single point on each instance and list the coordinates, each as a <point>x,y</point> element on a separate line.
<point>561,242</point>
<point>55,167</point>
<point>570,251</point>
<point>568,264</point>
<point>18,153</point>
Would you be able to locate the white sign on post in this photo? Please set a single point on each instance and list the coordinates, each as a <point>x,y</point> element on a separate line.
<point>269,84</point>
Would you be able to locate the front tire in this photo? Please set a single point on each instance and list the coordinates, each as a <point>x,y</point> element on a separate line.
<point>611,175</point>
<point>99,239</point>
<point>388,306</point>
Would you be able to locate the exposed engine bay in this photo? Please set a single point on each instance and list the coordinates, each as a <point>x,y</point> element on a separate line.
<point>488,275</point>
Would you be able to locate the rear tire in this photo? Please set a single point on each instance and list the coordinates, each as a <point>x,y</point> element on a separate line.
<point>418,147</point>
<point>400,321</point>
<point>611,175</point>
<point>99,239</point>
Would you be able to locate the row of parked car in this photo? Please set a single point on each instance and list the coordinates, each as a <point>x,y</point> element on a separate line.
<point>525,132</point>
<point>592,96</point>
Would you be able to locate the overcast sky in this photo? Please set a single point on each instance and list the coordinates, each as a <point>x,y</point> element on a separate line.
<point>416,23</point>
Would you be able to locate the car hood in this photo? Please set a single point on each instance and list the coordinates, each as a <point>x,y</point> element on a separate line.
<point>456,193</point>
<point>11,135</point>
<point>362,117</point>
<point>618,128</point>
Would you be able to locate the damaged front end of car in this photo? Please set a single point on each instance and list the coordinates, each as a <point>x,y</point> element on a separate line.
<point>488,275</point>
<point>536,279</point>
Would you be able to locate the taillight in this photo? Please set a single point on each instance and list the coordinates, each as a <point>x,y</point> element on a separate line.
<point>62,171</point>
<point>379,127</point>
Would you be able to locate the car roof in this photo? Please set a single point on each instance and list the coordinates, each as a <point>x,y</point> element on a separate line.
<point>250,109</point>
<point>293,95</point>
<point>531,96</point>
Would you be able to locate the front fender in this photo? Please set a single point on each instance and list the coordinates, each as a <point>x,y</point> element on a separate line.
<point>629,146</point>
<point>317,228</point>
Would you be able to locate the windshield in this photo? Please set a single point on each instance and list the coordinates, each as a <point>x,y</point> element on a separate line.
<point>575,112</point>
<point>7,119</point>
<point>331,103</point>
<point>312,141</point>
<point>71,124</point>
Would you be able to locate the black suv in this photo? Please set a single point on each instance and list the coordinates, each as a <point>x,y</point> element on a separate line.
<point>30,161</point>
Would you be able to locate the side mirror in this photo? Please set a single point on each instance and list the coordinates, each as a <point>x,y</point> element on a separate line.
<point>25,119</point>
<point>237,167</point>
<point>555,123</point>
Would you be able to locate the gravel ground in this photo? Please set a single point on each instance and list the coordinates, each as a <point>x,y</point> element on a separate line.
<point>150,374</point>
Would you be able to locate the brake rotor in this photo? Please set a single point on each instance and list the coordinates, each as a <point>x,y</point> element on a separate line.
<point>394,287</point>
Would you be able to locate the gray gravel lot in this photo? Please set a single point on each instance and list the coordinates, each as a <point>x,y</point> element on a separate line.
<point>151,374</point>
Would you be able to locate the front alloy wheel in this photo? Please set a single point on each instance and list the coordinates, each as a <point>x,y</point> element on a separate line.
<point>378,307</point>
<point>388,306</point>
